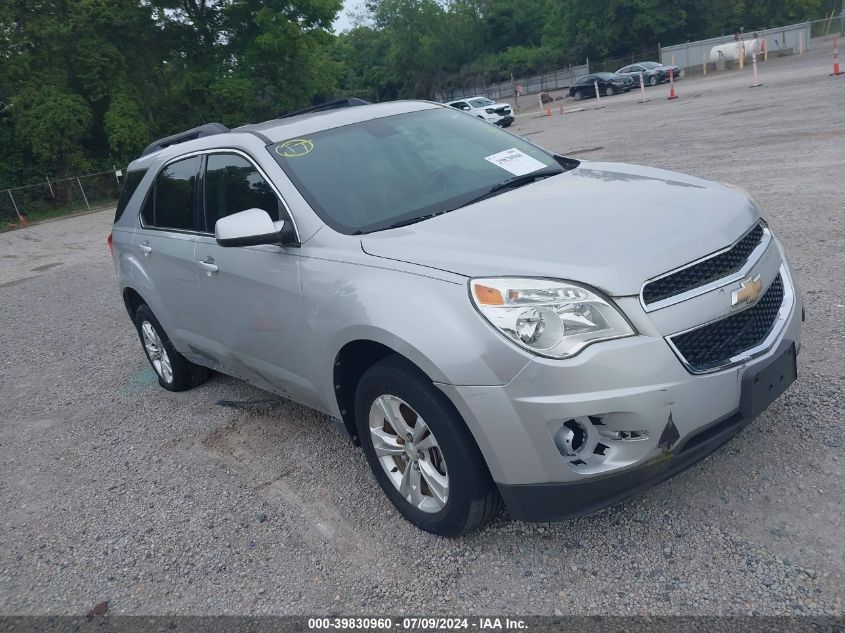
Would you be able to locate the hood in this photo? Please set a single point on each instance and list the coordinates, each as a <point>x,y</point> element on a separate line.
<point>608,225</point>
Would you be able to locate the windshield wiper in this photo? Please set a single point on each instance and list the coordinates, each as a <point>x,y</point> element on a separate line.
<point>413,220</point>
<point>513,183</point>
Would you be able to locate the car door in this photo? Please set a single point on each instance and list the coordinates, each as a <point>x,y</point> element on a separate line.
<point>253,293</point>
<point>164,251</point>
<point>584,86</point>
<point>636,71</point>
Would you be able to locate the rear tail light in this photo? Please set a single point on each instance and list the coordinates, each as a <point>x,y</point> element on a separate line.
<point>111,248</point>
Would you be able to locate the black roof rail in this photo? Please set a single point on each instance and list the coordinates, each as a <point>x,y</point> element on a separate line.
<point>209,129</point>
<point>328,105</point>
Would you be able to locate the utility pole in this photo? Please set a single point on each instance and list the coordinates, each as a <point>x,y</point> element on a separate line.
<point>842,20</point>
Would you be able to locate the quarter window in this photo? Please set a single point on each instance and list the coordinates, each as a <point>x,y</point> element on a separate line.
<point>233,184</point>
<point>171,205</point>
<point>130,184</point>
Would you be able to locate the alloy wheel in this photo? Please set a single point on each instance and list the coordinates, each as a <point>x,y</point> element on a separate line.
<point>156,352</point>
<point>409,453</point>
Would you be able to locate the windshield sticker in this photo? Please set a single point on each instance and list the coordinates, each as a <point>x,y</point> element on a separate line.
<point>294,147</point>
<point>516,162</point>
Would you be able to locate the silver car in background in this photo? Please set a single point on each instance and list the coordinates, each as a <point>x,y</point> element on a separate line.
<point>492,322</point>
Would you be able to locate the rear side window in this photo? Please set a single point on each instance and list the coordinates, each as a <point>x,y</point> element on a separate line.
<point>170,204</point>
<point>233,184</point>
<point>130,184</point>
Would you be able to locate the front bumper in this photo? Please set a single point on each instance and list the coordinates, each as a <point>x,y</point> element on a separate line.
<point>507,120</point>
<point>558,501</point>
<point>632,384</point>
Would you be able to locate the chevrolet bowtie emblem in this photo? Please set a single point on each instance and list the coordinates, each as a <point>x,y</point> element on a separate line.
<point>748,292</point>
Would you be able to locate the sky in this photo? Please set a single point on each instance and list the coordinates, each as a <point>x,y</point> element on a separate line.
<point>344,20</point>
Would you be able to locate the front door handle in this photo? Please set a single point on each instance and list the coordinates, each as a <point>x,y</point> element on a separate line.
<point>146,248</point>
<point>208,265</point>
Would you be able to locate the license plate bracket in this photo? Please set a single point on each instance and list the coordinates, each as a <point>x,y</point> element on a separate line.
<point>765,384</point>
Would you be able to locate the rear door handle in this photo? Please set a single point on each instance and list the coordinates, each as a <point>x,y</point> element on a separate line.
<point>208,265</point>
<point>146,248</point>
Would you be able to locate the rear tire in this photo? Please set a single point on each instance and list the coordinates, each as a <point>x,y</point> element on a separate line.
<point>174,371</point>
<point>652,81</point>
<point>577,96</point>
<point>462,496</point>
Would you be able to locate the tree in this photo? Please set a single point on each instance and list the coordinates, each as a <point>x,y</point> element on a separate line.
<point>85,83</point>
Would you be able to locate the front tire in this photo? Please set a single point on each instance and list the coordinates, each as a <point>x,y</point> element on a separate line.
<point>577,96</point>
<point>421,452</point>
<point>652,81</point>
<point>609,91</point>
<point>174,371</point>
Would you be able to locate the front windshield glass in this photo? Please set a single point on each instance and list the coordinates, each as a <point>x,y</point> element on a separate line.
<point>606,75</point>
<point>480,102</point>
<point>368,176</point>
<point>649,64</point>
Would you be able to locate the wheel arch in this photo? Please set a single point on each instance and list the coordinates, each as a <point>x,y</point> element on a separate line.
<point>351,361</point>
<point>132,299</point>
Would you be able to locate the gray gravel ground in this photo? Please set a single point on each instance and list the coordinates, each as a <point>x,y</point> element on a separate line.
<point>227,500</point>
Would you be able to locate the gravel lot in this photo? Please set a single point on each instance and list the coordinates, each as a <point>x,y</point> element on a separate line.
<point>228,500</point>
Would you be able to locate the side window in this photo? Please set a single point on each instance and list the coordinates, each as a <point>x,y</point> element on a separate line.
<point>130,184</point>
<point>627,69</point>
<point>170,204</point>
<point>233,184</point>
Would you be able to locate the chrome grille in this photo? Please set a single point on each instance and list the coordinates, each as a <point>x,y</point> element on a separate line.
<point>705,271</point>
<point>715,345</point>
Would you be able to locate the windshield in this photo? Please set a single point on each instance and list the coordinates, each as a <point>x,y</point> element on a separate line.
<point>480,102</point>
<point>368,176</point>
<point>650,65</point>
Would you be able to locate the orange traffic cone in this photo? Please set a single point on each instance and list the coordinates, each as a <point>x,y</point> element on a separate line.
<point>548,111</point>
<point>836,72</point>
<point>672,94</point>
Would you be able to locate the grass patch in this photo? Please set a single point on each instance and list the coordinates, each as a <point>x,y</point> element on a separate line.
<point>41,215</point>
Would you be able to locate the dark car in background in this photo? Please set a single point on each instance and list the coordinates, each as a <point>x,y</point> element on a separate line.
<point>609,84</point>
<point>653,72</point>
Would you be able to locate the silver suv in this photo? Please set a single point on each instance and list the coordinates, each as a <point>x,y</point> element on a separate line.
<point>492,322</point>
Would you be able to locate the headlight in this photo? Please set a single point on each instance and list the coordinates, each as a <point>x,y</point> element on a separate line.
<point>490,111</point>
<point>551,318</point>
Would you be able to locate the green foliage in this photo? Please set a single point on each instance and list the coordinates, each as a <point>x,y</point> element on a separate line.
<point>52,125</point>
<point>125,127</point>
<point>88,83</point>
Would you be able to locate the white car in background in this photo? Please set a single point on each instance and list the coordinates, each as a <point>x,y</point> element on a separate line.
<point>483,108</point>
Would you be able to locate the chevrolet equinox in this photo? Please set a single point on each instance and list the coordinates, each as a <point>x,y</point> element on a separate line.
<point>493,323</point>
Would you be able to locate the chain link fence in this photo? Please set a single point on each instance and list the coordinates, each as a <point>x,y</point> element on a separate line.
<point>53,198</point>
<point>831,25</point>
<point>611,65</point>
<point>527,85</point>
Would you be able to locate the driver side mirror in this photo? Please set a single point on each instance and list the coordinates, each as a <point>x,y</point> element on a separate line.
<point>250,228</point>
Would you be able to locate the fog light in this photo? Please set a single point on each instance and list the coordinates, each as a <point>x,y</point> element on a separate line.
<point>571,438</point>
